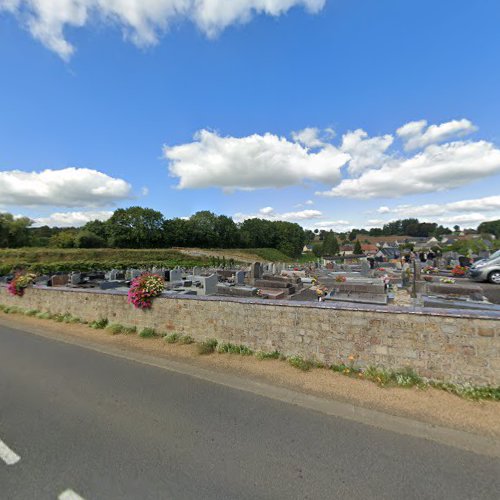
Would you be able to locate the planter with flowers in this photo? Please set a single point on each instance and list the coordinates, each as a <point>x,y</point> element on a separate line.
<point>449,281</point>
<point>340,279</point>
<point>144,289</point>
<point>20,282</point>
<point>459,271</point>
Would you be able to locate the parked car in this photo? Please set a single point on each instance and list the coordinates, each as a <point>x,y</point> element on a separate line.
<point>487,269</point>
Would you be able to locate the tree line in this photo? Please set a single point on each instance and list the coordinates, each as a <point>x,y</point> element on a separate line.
<point>138,227</point>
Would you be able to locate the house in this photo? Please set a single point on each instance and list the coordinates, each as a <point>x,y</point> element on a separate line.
<point>390,253</point>
<point>307,249</point>
<point>346,250</point>
<point>369,249</point>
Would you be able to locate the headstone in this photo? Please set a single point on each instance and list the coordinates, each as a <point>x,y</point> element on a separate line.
<point>273,269</point>
<point>175,275</point>
<point>75,278</point>
<point>59,280</point>
<point>209,284</point>
<point>365,268</point>
<point>196,271</point>
<point>239,277</point>
<point>256,271</point>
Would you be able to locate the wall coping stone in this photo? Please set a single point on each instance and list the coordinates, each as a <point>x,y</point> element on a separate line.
<point>336,306</point>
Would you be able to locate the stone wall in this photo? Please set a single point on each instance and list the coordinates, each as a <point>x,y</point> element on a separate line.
<point>439,344</point>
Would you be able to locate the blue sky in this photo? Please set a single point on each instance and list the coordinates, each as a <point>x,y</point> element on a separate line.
<point>206,109</point>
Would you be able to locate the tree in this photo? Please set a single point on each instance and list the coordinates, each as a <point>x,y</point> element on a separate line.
<point>353,234</point>
<point>357,248</point>
<point>330,244</point>
<point>136,227</point>
<point>14,231</point>
<point>490,227</point>
<point>456,228</point>
<point>97,227</point>
<point>64,239</point>
<point>87,239</point>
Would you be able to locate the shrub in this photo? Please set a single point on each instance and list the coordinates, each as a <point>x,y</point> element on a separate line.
<point>186,340</point>
<point>44,315</point>
<point>31,312</point>
<point>207,347</point>
<point>146,333</point>
<point>234,349</point>
<point>99,324</point>
<point>115,329</point>
<point>129,330</point>
<point>172,338</point>
<point>268,355</point>
<point>302,364</point>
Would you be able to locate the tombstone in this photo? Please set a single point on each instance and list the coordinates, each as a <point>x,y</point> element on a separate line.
<point>175,275</point>
<point>196,271</point>
<point>59,280</point>
<point>75,278</point>
<point>273,268</point>
<point>113,275</point>
<point>365,268</point>
<point>256,271</point>
<point>209,284</point>
<point>239,277</point>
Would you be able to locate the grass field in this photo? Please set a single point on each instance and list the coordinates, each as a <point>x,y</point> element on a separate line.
<point>47,260</point>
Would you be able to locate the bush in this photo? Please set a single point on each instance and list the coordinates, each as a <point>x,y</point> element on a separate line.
<point>147,333</point>
<point>115,328</point>
<point>99,324</point>
<point>172,338</point>
<point>129,330</point>
<point>31,312</point>
<point>234,349</point>
<point>268,355</point>
<point>186,340</point>
<point>207,347</point>
<point>302,364</point>
<point>44,315</point>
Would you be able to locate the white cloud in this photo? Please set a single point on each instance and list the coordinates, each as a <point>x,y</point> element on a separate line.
<point>437,168</point>
<point>309,202</point>
<point>313,137</point>
<point>69,187</point>
<point>365,152</point>
<point>142,21</point>
<point>488,203</point>
<point>469,212</point>
<point>256,161</point>
<point>144,191</point>
<point>71,219</point>
<point>417,135</point>
<point>269,214</point>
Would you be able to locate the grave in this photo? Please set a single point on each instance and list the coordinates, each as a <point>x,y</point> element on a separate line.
<point>175,275</point>
<point>59,280</point>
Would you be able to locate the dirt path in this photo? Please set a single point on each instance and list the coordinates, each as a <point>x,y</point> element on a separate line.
<point>237,255</point>
<point>429,405</point>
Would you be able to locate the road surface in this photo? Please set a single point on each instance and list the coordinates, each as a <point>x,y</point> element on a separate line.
<point>75,423</point>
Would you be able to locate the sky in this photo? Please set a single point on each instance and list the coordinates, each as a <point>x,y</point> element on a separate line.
<point>331,113</point>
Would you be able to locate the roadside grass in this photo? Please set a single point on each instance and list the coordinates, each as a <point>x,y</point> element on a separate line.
<point>384,378</point>
<point>207,347</point>
<point>234,349</point>
<point>147,333</point>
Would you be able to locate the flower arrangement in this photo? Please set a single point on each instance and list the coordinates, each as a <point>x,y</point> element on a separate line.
<point>429,270</point>
<point>20,282</point>
<point>381,269</point>
<point>144,289</point>
<point>449,281</point>
<point>260,293</point>
<point>459,271</point>
<point>340,279</point>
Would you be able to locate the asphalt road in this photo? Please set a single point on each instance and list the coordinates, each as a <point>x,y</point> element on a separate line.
<point>107,428</point>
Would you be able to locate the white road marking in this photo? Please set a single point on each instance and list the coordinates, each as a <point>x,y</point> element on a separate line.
<point>69,495</point>
<point>7,455</point>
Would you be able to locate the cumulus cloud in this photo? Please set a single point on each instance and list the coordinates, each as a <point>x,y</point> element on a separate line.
<point>71,219</point>
<point>142,21</point>
<point>417,134</point>
<point>437,168</point>
<point>255,161</point>
<point>270,214</point>
<point>69,187</point>
<point>463,212</point>
<point>313,137</point>
<point>365,152</point>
